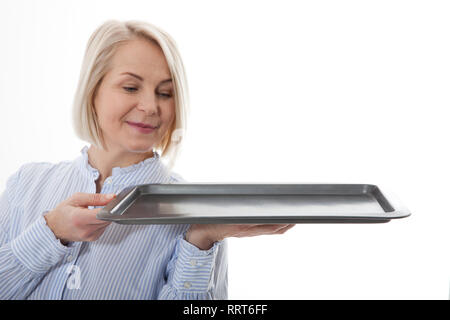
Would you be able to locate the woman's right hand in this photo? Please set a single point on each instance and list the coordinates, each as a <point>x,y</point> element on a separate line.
<point>71,220</point>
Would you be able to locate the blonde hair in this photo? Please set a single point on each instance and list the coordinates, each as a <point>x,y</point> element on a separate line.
<point>100,48</point>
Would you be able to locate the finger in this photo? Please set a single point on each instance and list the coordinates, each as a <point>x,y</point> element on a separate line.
<point>88,217</point>
<point>284,229</point>
<point>96,222</point>
<point>82,199</point>
<point>263,229</point>
<point>274,227</point>
<point>245,228</point>
<point>280,227</point>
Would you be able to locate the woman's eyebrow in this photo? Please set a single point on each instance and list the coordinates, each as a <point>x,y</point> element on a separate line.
<point>142,79</point>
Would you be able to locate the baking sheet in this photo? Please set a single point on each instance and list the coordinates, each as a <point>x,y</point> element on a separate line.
<point>252,203</point>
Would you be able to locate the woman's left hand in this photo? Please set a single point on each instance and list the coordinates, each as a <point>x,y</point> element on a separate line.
<point>203,236</point>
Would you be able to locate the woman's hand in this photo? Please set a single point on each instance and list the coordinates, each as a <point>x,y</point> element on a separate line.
<point>203,236</point>
<point>71,220</point>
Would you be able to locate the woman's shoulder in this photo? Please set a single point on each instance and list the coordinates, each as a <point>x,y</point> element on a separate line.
<point>41,167</point>
<point>33,176</point>
<point>32,171</point>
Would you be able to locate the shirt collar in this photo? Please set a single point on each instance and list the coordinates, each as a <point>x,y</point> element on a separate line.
<point>84,165</point>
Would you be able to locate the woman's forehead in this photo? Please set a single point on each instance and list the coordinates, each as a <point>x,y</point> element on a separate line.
<point>140,52</point>
<point>140,60</point>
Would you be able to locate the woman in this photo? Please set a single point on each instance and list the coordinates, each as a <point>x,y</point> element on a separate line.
<point>51,244</point>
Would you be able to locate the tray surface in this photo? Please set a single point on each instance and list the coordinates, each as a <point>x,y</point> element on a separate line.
<point>252,203</point>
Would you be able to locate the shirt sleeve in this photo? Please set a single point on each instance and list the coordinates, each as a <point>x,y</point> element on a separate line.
<point>25,259</point>
<point>195,274</point>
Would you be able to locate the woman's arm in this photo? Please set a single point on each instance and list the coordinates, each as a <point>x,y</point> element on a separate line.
<point>25,259</point>
<point>189,279</point>
<point>195,274</point>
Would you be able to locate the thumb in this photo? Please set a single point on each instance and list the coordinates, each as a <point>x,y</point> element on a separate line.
<point>82,199</point>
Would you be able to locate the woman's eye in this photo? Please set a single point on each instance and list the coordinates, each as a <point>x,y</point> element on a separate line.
<point>129,89</point>
<point>165,95</point>
<point>132,89</point>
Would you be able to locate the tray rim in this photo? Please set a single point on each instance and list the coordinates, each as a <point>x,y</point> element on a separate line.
<point>126,197</point>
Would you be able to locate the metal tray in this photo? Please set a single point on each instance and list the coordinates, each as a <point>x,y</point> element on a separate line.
<point>252,203</point>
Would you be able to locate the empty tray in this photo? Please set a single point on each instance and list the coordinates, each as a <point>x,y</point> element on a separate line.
<point>251,203</point>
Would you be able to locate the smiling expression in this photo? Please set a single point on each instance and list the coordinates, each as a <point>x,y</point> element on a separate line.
<point>137,88</point>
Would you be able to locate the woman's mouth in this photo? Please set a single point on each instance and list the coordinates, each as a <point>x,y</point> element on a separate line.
<point>142,128</point>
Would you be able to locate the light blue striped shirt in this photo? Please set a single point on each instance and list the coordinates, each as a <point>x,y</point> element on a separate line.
<point>126,262</point>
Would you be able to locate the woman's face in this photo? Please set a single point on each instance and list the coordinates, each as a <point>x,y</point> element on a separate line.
<point>137,88</point>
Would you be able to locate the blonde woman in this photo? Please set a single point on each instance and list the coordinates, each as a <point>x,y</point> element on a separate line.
<point>131,106</point>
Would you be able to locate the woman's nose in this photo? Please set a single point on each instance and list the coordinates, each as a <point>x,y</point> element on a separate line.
<point>149,104</point>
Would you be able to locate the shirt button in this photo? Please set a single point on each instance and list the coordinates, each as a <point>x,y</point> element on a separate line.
<point>187,284</point>
<point>193,262</point>
<point>108,181</point>
<point>69,258</point>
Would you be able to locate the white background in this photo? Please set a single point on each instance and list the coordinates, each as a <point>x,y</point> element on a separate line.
<point>281,91</point>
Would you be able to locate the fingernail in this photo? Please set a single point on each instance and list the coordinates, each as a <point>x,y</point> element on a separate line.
<point>110,196</point>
